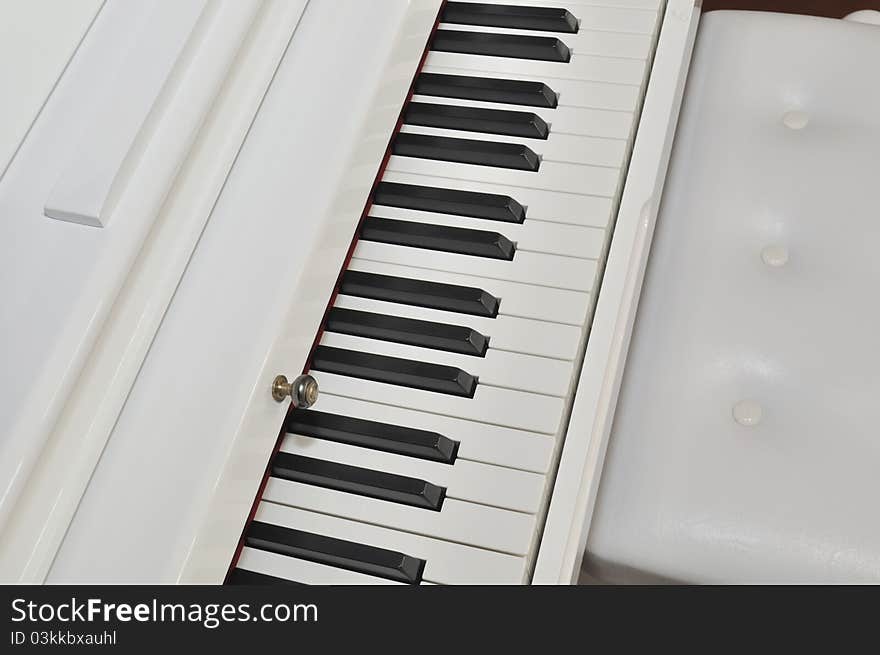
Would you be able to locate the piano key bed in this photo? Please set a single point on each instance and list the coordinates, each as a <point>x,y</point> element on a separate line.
<point>448,359</point>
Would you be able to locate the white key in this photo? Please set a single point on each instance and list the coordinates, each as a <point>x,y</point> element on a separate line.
<point>570,4</point>
<point>524,300</point>
<point>580,67</point>
<point>303,571</point>
<point>615,15</point>
<point>485,484</point>
<point>579,121</point>
<point>504,332</point>
<point>445,562</point>
<point>570,93</point>
<point>565,148</point>
<point>499,368</point>
<point>461,522</point>
<point>477,442</point>
<point>617,20</point>
<point>541,205</point>
<point>530,235</point>
<point>551,176</point>
<point>526,267</point>
<point>585,42</point>
<point>502,407</point>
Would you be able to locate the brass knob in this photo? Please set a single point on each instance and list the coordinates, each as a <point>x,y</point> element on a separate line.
<point>303,391</point>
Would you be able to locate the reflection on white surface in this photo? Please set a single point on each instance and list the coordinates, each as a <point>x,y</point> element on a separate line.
<point>688,493</point>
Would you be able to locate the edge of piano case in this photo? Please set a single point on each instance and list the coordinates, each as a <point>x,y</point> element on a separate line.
<point>580,465</point>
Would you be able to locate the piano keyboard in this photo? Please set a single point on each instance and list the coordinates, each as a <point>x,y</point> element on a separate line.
<point>447,361</point>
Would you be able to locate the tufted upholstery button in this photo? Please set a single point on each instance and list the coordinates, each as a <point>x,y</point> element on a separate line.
<point>748,413</point>
<point>795,120</point>
<point>775,255</point>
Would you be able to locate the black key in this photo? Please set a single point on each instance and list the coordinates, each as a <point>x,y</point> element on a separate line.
<point>546,19</point>
<point>544,48</point>
<point>466,151</point>
<point>394,370</point>
<point>475,119</point>
<point>435,295</point>
<point>425,334</point>
<point>335,552</point>
<point>450,201</point>
<point>460,240</point>
<point>357,480</point>
<point>509,92</point>
<point>245,577</point>
<point>370,434</point>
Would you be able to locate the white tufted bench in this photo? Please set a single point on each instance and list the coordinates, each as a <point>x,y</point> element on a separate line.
<point>746,443</point>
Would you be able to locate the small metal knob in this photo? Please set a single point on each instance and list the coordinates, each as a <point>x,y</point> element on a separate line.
<point>303,391</point>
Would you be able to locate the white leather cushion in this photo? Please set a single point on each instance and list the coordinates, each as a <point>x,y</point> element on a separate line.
<point>688,493</point>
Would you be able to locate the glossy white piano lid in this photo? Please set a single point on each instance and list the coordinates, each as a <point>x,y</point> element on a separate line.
<point>37,39</point>
<point>127,108</point>
<point>204,113</point>
<point>745,446</point>
<point>57,280</point>
<point>250,303</point>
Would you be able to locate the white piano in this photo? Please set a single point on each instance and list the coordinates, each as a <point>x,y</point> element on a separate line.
<point>343,292</point>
